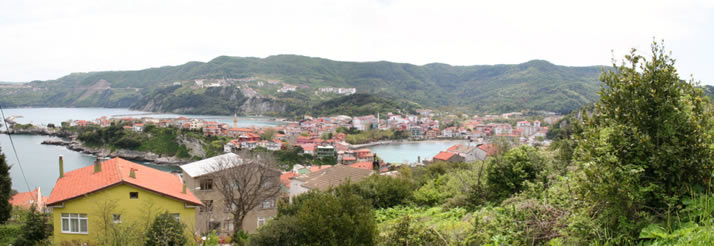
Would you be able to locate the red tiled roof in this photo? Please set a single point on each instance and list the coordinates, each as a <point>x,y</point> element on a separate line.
<point>444,156</point>
<point>349,158</point>
<point>285,178</point>
<point>489,148</point>
<point>454,148</point>
<point>362,165</point>
<point>364,150</point>
<point>115,171</point>
<point>24,199</point>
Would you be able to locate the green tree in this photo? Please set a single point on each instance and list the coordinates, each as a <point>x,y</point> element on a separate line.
<point>35,229</point>
<point>5,189</point>
<point>268,133</point>
<point>645,145</point>
<point>165,231</point>
<point>505,175</point>
<point>317,218</point>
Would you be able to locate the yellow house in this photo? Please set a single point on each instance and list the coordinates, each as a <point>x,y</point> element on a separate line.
<point>116,198</point>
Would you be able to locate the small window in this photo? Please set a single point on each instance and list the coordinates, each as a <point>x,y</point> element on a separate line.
<point>270,203</point>
<point>176,216</point>
<point>207,184</point>
<point>207,206</point>
<point>213,225</point>
<point>133,195</point>
<point>116,218</point>
<point>263,220</point>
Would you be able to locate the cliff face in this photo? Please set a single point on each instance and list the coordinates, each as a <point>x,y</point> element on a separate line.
<point>220,101</point>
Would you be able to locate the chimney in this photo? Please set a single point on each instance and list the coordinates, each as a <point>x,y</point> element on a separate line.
<point>61,166</point>
<point>97,165</point>
<point>132,173</point>
<point>184,189</point>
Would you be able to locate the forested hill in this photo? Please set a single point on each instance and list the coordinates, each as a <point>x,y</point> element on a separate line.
<point>536,85</point>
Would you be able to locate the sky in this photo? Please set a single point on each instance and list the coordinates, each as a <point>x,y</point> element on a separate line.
<point>41,40</point>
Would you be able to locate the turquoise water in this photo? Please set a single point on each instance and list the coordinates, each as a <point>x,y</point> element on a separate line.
<point>409,152</point>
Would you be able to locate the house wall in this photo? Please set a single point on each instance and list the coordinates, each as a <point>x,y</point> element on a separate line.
<point>219,214</point>
<point>134,212</point>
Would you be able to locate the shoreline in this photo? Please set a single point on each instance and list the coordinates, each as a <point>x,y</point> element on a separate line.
<point>385,142</point>
<point>70,143</point>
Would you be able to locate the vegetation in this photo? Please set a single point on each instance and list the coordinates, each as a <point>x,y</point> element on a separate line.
<point>534,85</point>
<point>35,229</point>
<point>354,136</point>
<point>5,190</point>
<point>165,231</point>
<point>635,169</point>
<point>317,218</point>
<point>166,141</point>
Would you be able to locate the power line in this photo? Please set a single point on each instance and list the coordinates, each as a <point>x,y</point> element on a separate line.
<point>17,157</point>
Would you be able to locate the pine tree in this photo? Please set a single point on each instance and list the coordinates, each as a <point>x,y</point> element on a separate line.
<point>5,189</point>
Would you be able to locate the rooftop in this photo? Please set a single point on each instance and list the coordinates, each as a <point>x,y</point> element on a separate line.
<point>116,171</point>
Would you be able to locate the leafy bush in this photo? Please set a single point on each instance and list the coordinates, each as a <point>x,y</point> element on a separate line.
<point>317,218</point>
<point>646,145</point>
<point>165,231</point>
<point>507,174</point>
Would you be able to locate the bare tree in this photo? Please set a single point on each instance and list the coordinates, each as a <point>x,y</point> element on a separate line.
<point>245,183</point>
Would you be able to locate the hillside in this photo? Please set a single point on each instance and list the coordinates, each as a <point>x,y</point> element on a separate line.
<point>534,85</point>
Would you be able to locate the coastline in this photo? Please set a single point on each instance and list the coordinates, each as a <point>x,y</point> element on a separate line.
<point>372,144</point>
<point>71,143</point>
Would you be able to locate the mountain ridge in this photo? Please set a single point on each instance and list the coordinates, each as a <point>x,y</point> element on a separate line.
<point>532,85</point>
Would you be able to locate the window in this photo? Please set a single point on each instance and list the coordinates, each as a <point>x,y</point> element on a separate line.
<point>207,205</point>
<point>133,195</point>
<point>269,203</point>
<point>116,218</point>
<point>75,223</point>
<point>214,226</point>
<point>263,220</point>
<point>227,225</point>
<point>176,216</point>
<point>207,184</point>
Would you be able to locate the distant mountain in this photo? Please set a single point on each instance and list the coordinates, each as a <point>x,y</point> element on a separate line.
<point>534,85</point>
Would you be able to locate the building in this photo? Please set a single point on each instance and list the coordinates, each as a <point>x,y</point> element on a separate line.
<point>129,191</point>
<point>326,151</point>
<point>198,176</point>
<point>448,157</point>
<point>469,153</point>
<point>325,178</point>
<point>25,200</point>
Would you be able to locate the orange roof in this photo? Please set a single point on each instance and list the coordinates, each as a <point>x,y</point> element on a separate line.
<point>349,158</point>
<point>444,156</point>
<point>24,199</point>
<point>285,178</point>
<point>364,150</point>
<point>116,171</point>
<point>489,148</point>
<point>454,148</point>
<point>363,165</point>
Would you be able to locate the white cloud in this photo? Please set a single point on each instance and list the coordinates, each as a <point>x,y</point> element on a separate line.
<point>45,40</point>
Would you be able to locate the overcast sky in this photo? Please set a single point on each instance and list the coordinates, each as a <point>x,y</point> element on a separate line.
<point>42,40</point>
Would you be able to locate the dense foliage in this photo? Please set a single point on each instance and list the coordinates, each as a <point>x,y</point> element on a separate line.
<point>164,141</point>
<point>35,229</point>
<point>165,231</point>
<point>647,144</point>
<point>319,218</point>
<point>5,189</point>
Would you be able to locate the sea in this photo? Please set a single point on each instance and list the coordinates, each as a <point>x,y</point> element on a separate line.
<point>39,164</point>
